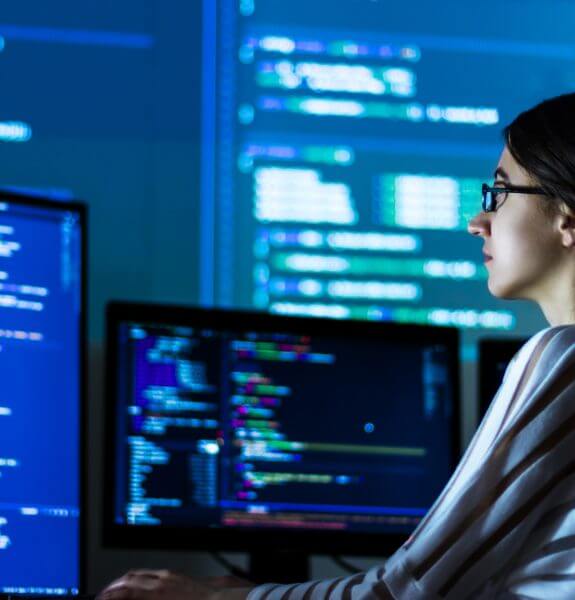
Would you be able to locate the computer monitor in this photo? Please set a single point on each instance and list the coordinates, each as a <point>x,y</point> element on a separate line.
<point>42,249</point>
<point>249,431</point>
<point>494,356</point>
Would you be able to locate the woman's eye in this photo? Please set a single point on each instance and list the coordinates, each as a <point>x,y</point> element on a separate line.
<point>500,198</point>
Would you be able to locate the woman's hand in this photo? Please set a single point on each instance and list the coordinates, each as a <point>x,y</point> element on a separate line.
<point>165,585</point>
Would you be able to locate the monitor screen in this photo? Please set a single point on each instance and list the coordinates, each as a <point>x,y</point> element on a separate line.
<point>352,139</point>
<point>41,366</point>
<point>230,422</point>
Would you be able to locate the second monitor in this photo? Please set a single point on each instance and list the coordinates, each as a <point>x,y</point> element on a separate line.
<point>233,429</point>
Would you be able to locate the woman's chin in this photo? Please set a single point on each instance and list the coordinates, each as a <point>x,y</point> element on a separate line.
<point>501,290</point>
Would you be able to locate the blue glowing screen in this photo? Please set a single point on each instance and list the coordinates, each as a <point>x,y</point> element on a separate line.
<point>231,425</point>
<point>40,354</point>
<point>352,141</point>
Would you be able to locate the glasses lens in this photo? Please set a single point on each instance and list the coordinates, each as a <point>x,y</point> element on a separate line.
<point>486,198</point>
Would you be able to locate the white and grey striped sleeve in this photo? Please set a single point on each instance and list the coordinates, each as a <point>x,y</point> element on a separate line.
<point>363,585</point>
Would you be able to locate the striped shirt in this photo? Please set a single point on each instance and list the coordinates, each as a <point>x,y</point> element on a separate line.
<point>504,526</point>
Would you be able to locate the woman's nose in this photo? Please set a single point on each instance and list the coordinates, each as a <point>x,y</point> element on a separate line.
<point>479,225</point>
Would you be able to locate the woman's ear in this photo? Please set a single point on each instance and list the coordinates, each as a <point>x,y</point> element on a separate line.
<point>567,226</point>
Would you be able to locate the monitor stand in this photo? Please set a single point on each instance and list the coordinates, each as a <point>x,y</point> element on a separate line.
<point>277,566</point>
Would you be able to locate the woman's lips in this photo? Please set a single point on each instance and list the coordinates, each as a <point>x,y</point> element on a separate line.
<point>487,257</point>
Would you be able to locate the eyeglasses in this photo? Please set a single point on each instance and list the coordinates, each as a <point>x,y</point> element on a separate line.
<point>489,194</point>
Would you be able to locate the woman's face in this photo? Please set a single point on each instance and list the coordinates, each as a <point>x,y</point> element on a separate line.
<point>522,245</point>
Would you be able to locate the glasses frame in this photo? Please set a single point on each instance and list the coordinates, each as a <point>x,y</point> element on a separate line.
<point>489,194</point>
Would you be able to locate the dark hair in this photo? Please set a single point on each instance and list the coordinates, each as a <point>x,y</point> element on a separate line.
<point>542,141</point>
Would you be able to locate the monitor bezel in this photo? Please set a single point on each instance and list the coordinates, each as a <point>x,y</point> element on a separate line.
<point>41,200</point>
<point>244,539</point>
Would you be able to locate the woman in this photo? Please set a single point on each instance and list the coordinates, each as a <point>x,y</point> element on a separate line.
<point>504,527</point>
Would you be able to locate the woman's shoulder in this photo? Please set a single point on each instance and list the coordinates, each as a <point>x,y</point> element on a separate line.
<point>527,351</point>
<point>563,334</point>
<point>556,341</point>
<point>544,355</point>
<point>550,353</point>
